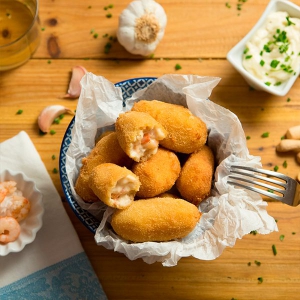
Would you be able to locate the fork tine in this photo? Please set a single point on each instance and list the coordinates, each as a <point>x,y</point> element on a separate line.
<point>273,188</point>
<point>254,189</point>
<point>262,171</point>
<point>280,183</point>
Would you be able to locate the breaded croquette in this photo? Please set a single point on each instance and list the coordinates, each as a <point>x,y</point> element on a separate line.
<point>139,134</point>
<point>114,185</point>
<point>155,220</point>
<point>186,132</point>
<point>107,150</point>
<point>157,174</point>
<point>195,179</point>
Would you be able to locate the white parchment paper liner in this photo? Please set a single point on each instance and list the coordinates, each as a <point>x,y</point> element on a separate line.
<point>229,213</point>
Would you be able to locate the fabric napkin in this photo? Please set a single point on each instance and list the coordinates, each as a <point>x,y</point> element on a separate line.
<point>54,265</point>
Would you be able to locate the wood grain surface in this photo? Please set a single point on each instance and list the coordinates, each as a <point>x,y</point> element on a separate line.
<point>198,36</point>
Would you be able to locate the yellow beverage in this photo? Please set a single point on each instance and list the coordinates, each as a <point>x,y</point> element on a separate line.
<point>19,32</point>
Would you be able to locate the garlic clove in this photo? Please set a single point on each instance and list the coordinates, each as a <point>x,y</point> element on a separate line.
<point>74,86</point>
<point>48,115</point>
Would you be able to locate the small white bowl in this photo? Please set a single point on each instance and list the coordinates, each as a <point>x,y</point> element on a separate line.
<point>33,222</point>
<point>235,55</point>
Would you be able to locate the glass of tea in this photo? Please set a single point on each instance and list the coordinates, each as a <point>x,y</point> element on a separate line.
<point>19,32</point>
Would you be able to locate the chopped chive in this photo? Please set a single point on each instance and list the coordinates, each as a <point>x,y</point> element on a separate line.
<point>268,83</point>
<point>274,63</point>
<point>248,56</point>
<point>109,15</point>
<point>289,22</point>
<point>95,35</point>
<point>107,47</point>
<point>293,233</point>
<point>260,279</point>
<point>277,83</point>
<point>248,137</point>
<point>288,99</point>
<point>258,263</point>
<point>262,62</point>
<point>276,168</point>
<point>53,156</point>
<point>281,237</point>
<point>52,131</point>
<point>49,61</point>
<point>227,5</point>
<point>254,232</point>
<point>246,50</point>
<point>284,164</point>
<point>265,135</point>
<point>54,171</point>
<point>178,67</point>
<point>274,249</point>
<point>249,263</point>
<point>56,121</point>
<point>19,112</point>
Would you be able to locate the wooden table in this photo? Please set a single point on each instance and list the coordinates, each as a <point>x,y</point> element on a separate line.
<point>198,36</point>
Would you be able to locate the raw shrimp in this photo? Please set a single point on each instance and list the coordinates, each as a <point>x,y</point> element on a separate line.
<point>14,204</point>
<point>9,229</point>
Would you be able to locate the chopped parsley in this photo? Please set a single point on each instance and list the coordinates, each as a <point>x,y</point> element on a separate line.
<point>262,62</point>
<point>227,5</point>
<point>276,168</point>
<point>109,15</point>
<point>248,137</point>
<point>54,171</point>
<point>19,112</point>
<point>260,279</point>
<point>268,83</point>
<point>281,237</point>
<point>248,56</point>
<point>274,249</point>
<point>52,131</point>
<point>288,99</point>
<point>53,157</point>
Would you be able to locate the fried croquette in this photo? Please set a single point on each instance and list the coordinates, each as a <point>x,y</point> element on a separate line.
<point>157,174</point>
<point>114,185</point>
<point>139,134</point>
<point>155,220</point>
<point>195,179</point>
<point>107,150</point>
<point>186,132</point>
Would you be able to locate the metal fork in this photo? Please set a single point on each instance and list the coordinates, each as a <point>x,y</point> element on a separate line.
<point>287,189</point>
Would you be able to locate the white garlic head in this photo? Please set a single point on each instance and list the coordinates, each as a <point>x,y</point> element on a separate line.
<point>141,26</point>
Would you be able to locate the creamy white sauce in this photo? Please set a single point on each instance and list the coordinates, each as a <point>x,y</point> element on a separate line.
<point>273,53</point>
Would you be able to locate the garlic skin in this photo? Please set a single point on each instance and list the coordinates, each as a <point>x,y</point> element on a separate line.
<point>74,86</point>
<point>141,26</point>
<point>48,115</point>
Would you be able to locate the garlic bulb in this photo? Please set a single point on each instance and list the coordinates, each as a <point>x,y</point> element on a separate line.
<point>141,26</point>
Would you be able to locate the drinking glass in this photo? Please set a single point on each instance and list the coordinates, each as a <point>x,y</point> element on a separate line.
<point>19,32</point>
